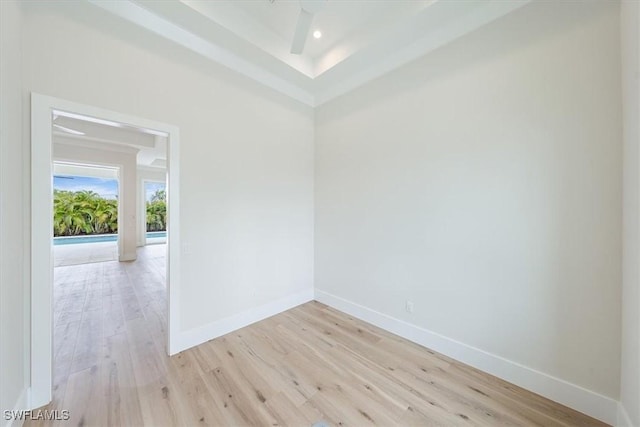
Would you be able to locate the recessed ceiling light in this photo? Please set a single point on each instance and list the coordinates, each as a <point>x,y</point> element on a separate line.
<point>317,34</point>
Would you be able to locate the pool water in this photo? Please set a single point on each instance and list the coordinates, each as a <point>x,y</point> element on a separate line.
<point>74,240</point>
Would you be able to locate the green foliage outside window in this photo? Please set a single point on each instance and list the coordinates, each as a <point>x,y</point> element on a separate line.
<point>86,212</point>
<point>157,211</point>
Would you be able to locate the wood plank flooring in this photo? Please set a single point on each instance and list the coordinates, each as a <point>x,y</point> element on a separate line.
<point>310,364</point>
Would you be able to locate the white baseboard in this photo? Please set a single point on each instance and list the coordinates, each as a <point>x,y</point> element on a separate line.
<point>21,405</point>
<point>624,420</point>
<point>196,336</point>
<point>586,401</point>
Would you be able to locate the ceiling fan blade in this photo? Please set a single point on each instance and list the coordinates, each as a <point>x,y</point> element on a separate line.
<point>302,31</point>
<point>312,6</point>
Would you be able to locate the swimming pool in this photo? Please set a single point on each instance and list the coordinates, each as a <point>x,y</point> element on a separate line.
<point>156,234</point>
<point>74,240</point>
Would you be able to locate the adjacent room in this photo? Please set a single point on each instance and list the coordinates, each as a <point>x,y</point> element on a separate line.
<point>85,214</point>
<point>320,212</point>
<point>105,276</point>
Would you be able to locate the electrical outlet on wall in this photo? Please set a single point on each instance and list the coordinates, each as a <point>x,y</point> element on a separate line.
<point>408,307</point>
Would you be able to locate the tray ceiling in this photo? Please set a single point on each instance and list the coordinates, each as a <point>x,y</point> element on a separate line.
<point>361,40</point>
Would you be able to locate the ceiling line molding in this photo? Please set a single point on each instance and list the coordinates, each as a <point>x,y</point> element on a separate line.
<point>88,142</point>
<point>370,36</point>
<point>451,25</point>
<point>147,168</point>
<point>146,19</point>
<point>228,42</point>
<point>79,169</point>
<point>229,16</point>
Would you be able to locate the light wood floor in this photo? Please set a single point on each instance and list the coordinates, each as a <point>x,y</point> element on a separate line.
<point>310,364</point>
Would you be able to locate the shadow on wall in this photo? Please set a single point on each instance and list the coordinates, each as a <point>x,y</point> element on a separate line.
<point>483,183</point>
<point>473,50</point>
<point>149,44</point>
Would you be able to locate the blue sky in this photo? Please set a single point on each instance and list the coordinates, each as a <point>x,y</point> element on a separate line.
<point>106,187</point>
<point>151,187</point>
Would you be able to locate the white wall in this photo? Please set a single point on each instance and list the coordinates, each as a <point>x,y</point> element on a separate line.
<point>483,184</point>
<point>630,372</point>
<point>246,196</point>
<point>66,149</point>
<point>13,345</point>
<point>495,160</point>
<point>145,175</point>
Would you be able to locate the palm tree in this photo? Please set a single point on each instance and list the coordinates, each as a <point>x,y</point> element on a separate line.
<point>157,211</point>
<point>159,195</point>
<point>83,212</point>
<point>105,216</point>
<point>156,215</point>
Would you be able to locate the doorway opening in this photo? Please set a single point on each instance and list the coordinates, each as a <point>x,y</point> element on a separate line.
<point>155,212</point>
<point>95,301</point>
<point>85,213</point>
